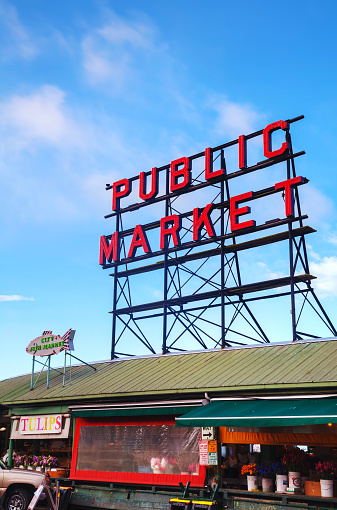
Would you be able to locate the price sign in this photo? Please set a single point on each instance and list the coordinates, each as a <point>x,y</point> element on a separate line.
<point>203,453</point>
<point>212,446</point>
<point>212,458</point>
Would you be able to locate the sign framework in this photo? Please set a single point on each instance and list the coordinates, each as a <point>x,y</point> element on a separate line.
<point>183,242</point>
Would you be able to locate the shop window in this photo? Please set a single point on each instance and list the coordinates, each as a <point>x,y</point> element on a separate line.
<point>136,451</point>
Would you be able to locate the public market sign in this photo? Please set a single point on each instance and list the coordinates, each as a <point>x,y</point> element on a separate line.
<point>48,344</point>
<point>178,182</point>
<point>44,424</point>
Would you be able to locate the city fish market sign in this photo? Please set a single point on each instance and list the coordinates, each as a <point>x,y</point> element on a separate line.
<point>48,343</point>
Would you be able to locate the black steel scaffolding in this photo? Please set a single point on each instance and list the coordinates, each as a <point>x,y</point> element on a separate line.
<point>204,296</point>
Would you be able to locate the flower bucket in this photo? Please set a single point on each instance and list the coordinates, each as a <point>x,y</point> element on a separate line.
<point>267,485</point>
<point>252,482</point>
<point>294,481</point>
<point>281,483</point>
<point>326,488</point>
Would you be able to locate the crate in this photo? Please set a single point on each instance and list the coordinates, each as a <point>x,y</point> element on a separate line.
<point>180,504</point>
<point>312,488</point>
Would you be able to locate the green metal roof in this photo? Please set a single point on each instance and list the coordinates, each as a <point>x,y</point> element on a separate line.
<point>310,365</point>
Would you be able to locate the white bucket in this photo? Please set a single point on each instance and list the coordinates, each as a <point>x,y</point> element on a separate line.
<point>281,483</point>
<point>294,480</point>
<point>267,485</point>
<point>326,488</point>
<point>252,482</point>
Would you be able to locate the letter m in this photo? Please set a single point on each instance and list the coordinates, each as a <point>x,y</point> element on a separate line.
<point>108,252</point>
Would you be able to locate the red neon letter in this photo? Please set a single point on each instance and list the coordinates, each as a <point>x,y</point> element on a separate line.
<point>242,152</point>
<point>117,192</point>
<point>106,252</point>
<point>154,185</point>
<point>289,192</point>
<point>203,219</point>
<point>234,212</point>
<point>138,239</point>
<point>209,174</point>
<point>181,172</point>
<point>267,146</point>
<point>173,230</point>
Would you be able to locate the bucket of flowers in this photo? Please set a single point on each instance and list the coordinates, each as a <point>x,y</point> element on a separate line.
<point>295,461</point>
<point>266,472</point>
<point>327,472</point>
<point>251,471</point>
<point>280,471</point>
<point>19,461</point>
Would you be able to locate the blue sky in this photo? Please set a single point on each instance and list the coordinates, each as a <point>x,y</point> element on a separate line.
<point>94,91</point>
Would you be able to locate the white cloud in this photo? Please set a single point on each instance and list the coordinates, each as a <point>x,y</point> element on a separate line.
<point>326,272</point>
<point>236,119</point>
<point>332,239</point>
<point>104,66</point>
<point>15,297</point>
<point>21,42</point>
<point>316,205</point>
<point>111,53</point>
<point>136,33</point>
<point>41,116</point>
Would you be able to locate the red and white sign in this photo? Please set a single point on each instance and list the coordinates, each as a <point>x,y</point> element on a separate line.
<point>48,343</point>
<point>203,453</point>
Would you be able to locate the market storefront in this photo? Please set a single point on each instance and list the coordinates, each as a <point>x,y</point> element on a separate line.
<point>131,429</point>
<point>269,437</point>
<point>42,440</point>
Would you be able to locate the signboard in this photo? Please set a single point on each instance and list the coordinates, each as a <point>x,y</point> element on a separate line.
<point>180,176</point>
<point>48,343</point>
<point>194,245</point>
<point>207,433</point>
<point>208,453</point>
<point>212,459</point>
<point>44,424</point>
<point>36,496</point>
<point>212,446</point>
<point>203,453</point>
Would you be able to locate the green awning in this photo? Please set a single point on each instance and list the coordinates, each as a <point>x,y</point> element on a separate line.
<point>132,411</point>
<point>262,413</point>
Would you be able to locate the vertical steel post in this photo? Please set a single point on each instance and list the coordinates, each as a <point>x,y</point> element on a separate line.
<point>32,378</point>
<point>64,368</point>
<point>10,451</point>
<point>48,372</point>
<point>222,257</point>
<point>291,265</point>
<point>114,298</point>
<point>167,204</point>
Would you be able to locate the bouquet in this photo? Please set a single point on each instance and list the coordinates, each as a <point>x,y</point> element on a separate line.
<point>249,469</point>
<point>279,468</point>
<point>296,460</point>
<point>326,470</point>
<point>266,470</point>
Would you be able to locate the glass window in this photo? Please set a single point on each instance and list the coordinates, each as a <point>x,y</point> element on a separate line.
<point>158,449</point>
